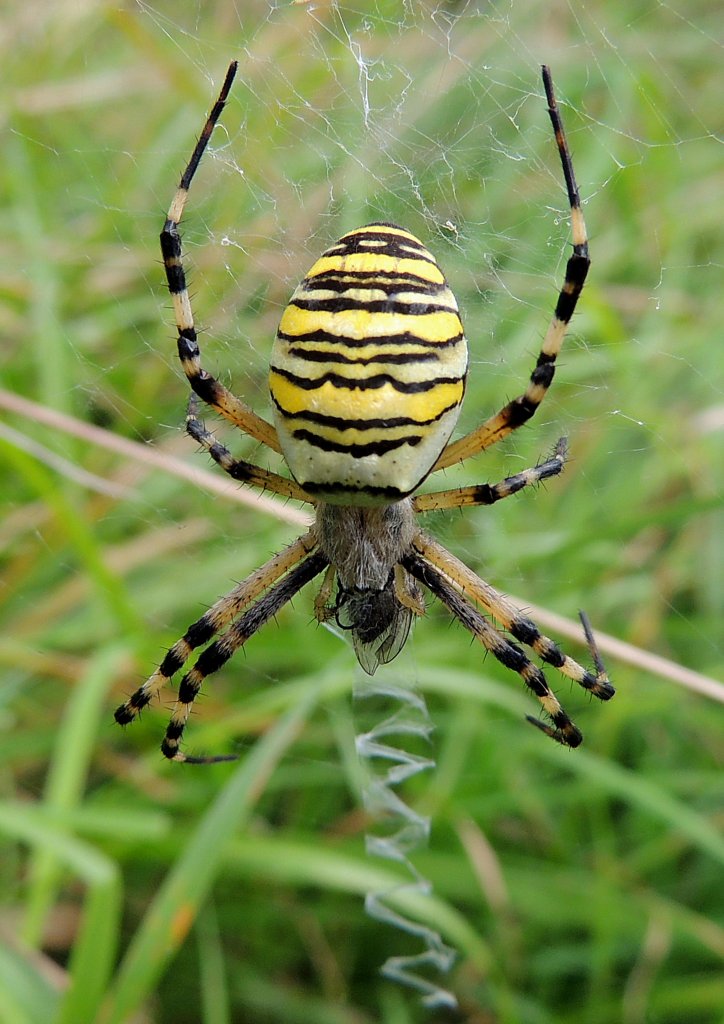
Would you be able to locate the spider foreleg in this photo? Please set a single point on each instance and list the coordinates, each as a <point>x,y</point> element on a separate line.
<point>520,410</point>
<point>206,387</point>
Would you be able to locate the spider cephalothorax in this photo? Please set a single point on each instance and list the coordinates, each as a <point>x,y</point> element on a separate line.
<point>367,377</point>
<point>376,598</point>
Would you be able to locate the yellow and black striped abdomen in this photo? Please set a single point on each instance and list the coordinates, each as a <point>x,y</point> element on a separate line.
<point>368,369</point>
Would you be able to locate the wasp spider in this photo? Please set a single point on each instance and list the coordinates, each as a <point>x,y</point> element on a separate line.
<point>367,376</point>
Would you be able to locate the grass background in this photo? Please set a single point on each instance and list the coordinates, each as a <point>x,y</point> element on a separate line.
<point>576,886</point>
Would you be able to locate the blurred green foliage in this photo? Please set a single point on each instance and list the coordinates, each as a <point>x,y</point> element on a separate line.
<point>576,886</point>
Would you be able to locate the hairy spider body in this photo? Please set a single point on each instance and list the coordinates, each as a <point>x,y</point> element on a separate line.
<point>366,379</point>
<point>375,602</point>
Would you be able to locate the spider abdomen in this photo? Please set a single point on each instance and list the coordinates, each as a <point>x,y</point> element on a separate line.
<point>368,369</point>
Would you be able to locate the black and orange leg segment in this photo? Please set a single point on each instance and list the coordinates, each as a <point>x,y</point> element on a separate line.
<point>488,494</point>
<point>505,651</point>
<point>214,621</point>
<point>520,409</point>
<point>238,469</point>
<point>205,386</point>
<point>218,653</point>
<point>512,619</point>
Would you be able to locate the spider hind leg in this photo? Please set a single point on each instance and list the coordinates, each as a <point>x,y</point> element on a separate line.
<point>230,613</point>
<point>218,653</point>
<point>508,653</point>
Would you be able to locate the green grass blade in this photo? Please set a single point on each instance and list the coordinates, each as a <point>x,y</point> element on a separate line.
<point>74,746</point>
<point>176,905</point>
<point>95,945</point>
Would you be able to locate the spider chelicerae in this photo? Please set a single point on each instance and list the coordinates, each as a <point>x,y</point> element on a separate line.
<point>367,377</point>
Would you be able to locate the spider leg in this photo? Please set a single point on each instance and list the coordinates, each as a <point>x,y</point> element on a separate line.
<point>518,625</point>
<point>507,653</point>
<point>218,653</point>
<point>322,610</point>
<point>520,410</point>
<point>206,387</point>
<point>244,472</point>
<point>216,619</point>
<point>488,494</point>
<point>408,593</point>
